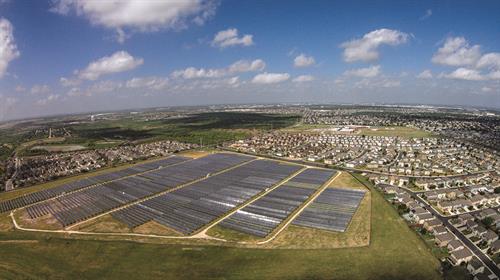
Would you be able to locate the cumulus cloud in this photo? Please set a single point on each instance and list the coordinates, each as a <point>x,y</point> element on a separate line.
<point>40,89</point>
<point>229,38</point>
<point>120,61</point>
<point>472,64</point>
<point>303,60</point>
<point>239,66</point>
<point>465,74</point>
<point>138,15</point>
<point>303,78</point>
<point>368,72</point>
<point>489,60</point>
<point>153,83</point>
<point>8,47</point>
<point>456,51</point>
<point>270,78</point>
<point>366,48</point>
<point>426,74</point>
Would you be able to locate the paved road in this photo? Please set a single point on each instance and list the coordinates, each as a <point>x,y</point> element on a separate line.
<point>446,222</point>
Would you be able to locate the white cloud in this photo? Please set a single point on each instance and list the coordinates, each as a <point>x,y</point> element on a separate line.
<point>40,89</point>
<point>20,88</point>
<point>303,78</point>
<point>229,38</point>
<point>196,73</point>
<point>456,51</point>
<point>368,72</point>
<point>270,78</point>
<point>428,14</point>
<point>489,60</point>
<point>104,87</point>
<point>154,83</point>
<point>118,62</point>
<point>303,60</point>
<point>426,74</point>
<point>366,48</point>
<point>49,99</point>
<point>486,89</point>
<point>69,82</point>
<point>239,66</point>
<point>8,48</point>
<point>138,15</point>
<point>377,83</point>
<point>494,75</point>
<point>465,74</point>
<point>7,104</point>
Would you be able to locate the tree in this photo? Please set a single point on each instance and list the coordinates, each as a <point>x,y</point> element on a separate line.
<point>488,221</point>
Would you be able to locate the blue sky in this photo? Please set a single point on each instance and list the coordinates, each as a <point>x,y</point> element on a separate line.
<point>74,55</point>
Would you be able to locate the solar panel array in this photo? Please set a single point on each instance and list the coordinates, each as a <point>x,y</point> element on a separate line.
<point>31,198</point>
<point>331,210</point>
<point>262,216</point>
<point>79,206</point>
<point>188,209</point>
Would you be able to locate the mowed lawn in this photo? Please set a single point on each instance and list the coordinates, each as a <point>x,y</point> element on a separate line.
<point>395,252</point>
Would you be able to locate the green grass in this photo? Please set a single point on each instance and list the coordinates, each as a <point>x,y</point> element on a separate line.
<point>406,132</point>
<point>395,252</point>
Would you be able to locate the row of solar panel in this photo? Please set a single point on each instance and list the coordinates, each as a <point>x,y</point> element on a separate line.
<point>35,197</point>
<point>331,210</point>
<point>265,214</point>
<point>192,207</point>
<point>79,206</point>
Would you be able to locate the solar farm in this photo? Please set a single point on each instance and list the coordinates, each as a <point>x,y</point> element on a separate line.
<point>241,193</point>
<point>331,210</point>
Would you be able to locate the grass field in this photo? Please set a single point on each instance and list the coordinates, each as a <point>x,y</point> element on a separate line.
<point>406,132</point>
<point>395,252</point>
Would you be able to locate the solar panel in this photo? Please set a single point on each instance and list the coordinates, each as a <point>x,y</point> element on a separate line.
<point>190,208</point>
<point>331,210</point>
<point>264,215</point>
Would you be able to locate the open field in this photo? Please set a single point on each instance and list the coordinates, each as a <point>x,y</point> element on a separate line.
<point>395,252</point>
<point>406,132</point>
<point>59,148</point>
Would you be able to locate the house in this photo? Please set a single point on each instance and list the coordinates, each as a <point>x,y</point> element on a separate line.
<point>495,247</point>
<point>422,218</point>
<point>480,231</point>
<point>471,225</point>
<point>437,230</point>
<point>460,256</point>
<point>475,266</point>
<point>490,236</point>
<point>430,224</point>
<point>443,239</point>
<point>455,244</point>
<point>486,213</point>
<point>419,210</point>
<point>483,276</point>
